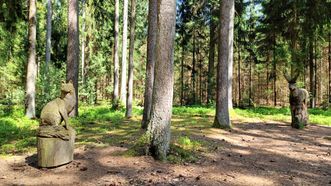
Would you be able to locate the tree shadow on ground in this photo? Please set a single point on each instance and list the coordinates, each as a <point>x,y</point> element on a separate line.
<point>250,153</point>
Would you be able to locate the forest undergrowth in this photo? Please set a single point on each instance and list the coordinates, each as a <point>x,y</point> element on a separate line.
<point>101,126</point>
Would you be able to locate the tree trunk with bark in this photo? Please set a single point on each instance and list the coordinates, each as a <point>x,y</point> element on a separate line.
<point>182,72</point>
<point>193,74</point>
<point>239,73</point>
<point>73,48</point>
<point>83,43</point>
<point>299,113</point>
<point>222,117</point>
<point>312,74</point>
<point>211,61</point>
<point>48,33</point>
<point>115,56</point>
<point>151,55</point>
<point>329,59</point>
<point>129,99</point>
<point>159,126</point>
<point>30,108</point>
<point>124,48</point>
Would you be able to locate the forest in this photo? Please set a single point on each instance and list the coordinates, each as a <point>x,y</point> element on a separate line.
<point>165,92</point>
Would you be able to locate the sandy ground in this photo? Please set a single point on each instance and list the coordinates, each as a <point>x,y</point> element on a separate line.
<point>249,154</point>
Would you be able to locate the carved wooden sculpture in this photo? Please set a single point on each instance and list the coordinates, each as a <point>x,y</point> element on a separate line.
<point>298,102</point>
<point>56,142</point>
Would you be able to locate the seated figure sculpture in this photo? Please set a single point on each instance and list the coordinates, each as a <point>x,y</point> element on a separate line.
<point>58,110</point>
<point>55,143</point>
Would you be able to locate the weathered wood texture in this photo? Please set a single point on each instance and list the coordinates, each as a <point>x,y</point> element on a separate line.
<point>54,151</point>
<point>298,106</point>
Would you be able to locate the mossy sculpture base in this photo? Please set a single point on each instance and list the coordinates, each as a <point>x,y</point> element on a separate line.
<point>55,146</point>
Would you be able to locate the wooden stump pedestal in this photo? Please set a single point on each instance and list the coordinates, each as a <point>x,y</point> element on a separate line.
<point>54,151</point>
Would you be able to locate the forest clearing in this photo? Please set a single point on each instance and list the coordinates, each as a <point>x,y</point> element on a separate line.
<point>110,151</point>
<point>165,92</point>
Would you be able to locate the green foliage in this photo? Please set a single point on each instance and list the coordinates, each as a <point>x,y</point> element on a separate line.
<point>49,86</point>
<point>193,110</point>
<point>17,133</point>
<point>184,150</point>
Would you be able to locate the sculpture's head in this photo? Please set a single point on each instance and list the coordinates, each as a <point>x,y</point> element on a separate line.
<point>292,86</point>
<point>67,88</point>
<point>292,79</point>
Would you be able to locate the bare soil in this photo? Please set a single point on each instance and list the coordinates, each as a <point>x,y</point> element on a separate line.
<point>249,154</point>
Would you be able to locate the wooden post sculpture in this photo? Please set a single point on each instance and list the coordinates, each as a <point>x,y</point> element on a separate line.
<point>55,143</point>
<point>298,102</point>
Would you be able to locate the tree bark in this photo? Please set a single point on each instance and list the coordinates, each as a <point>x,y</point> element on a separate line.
<point>312,73</point>
<point>329,59</point>
<point>193,70</point>
<point>30,108</point>
<point>182,72</point>
<point>128,113</point>
<point>48,33</point>
<point>250,83</point>
<point>159,126</point>
<point>222,118</point>
<point>83,42</point>
<point>124,50</point>
<point>73,48</point>
<point>151,55</point>
<point>239,72</point>
<point>211,61</point>
<point>115,56</point>
<point>298,106</point>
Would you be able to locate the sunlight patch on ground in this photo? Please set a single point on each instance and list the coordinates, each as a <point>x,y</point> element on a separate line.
<point>254,180</point>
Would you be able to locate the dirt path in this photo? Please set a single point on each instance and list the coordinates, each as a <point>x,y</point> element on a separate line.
<point>249,154</point>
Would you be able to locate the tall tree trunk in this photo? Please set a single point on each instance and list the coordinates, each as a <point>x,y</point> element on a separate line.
<point>312,73</point>
<point>239,73</point>
<point>151,55</point>
<point>222,117</point>
<point>267,68</point>
<point>182,72</point>
<point>275,81</point>
<point>159,126</point>
<point>115,56</point>
<point>124,50</point>
<point>329,59</point>
<point>250,84</point>
<point>193,69</point>
<point>200,80</point>
<point>30,108</point>
<point>73,48</point>
<point>83,42</point>
<point>128,113</point>
<point>211,61</point>
<point>274,65</point>
<point>48,33</point>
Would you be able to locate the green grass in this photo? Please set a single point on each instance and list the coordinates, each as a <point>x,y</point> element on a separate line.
<point>17,133</point>
<point>102,126</point>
